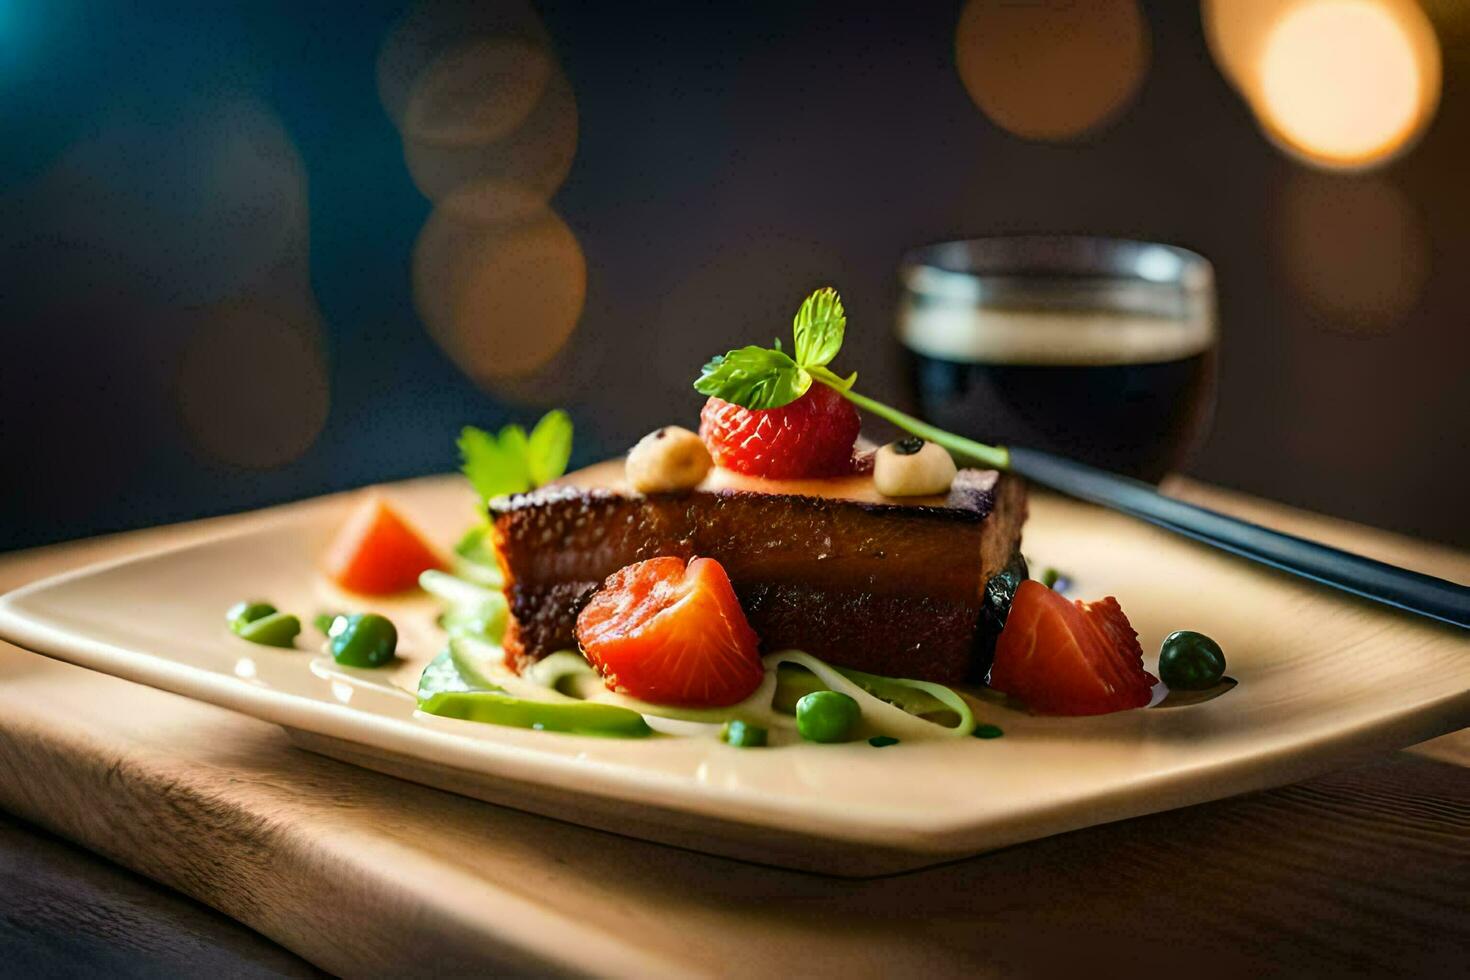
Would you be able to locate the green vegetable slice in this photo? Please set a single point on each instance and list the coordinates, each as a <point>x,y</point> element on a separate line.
<point>915,697</point>
<point>473,609</point>
<point>242,614</point>
<point>756,709</point>
<point>480,664</point>
<point>442,675</point>
<point>876,711</point>
<point>550,672</point>
<point>474,559</point>
<point>475,661</point>
<point>455,591</point>
<point>571,717</point>
<point>275,630</point>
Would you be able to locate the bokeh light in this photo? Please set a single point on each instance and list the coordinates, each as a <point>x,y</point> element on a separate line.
<point>203,211</point>
<point>1235,29</point>
<point>489,126</point>
<point>252,384</point>
<point>1354,248</point>
<point>198,207</point>
<point>500,299</point>
<point>1344,84</point>
<point>430,29</point>
<point>1052,69</point>
<point>478,92</point>
<point>535,158</point>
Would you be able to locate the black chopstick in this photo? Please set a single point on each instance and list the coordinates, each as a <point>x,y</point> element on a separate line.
<point>1376,580</point>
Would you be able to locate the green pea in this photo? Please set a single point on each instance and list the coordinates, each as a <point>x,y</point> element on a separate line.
<point>743,735</point>
<point>276,630</point>
<point>363,640</point>
<point>826,716</point>
<point>1191,661</point>
<point>248,611</point>
<point>987,731</point>
<point>882,741</point>
<point>323,622</point>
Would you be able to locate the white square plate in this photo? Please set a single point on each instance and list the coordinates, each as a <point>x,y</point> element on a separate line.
<point>1323,679</point>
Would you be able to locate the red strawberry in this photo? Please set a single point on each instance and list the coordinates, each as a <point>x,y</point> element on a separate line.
<point>1069,658</point>
<point>668,634</point>
<point>811,437</point>
<point>377,552</point>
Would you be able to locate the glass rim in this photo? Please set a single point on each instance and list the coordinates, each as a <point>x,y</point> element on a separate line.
<point>973,270</point>
<point>1056,299</point>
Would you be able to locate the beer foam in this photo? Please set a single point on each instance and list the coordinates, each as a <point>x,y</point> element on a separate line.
<point>989,335</point>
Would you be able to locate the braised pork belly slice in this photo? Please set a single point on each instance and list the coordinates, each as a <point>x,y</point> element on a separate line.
<point>888,586</point>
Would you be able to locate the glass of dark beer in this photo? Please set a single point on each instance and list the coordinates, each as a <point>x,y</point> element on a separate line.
<point>1096,349</point>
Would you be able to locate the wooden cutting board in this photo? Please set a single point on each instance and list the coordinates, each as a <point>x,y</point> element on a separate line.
<point>1364,870</point>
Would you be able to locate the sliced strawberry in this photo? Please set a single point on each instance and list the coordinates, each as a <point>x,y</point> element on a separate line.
<point>811,437</point>
<point>1069,658</point>
<point>377,552</point>
<point>669,634</point>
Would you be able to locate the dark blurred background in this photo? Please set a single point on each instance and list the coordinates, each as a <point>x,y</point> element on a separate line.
<point>255,253</point>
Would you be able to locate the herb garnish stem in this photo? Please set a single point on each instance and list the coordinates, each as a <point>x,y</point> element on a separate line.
<point>995,457</point>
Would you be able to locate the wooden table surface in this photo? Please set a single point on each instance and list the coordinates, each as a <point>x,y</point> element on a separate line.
<point>1362,871</point>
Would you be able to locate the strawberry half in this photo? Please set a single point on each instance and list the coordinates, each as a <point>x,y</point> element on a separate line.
<point>1069,658</point>
<point>377,552</point>
<point>811,437</point>
<point>669,634</point>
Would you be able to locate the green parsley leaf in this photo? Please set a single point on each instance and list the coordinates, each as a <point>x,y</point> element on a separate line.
<point>513,442</point>
<point>819,326</point>
<point>550,446</point>
<point>513,462</point>
<point>754,377</point>
<point>493,469</point>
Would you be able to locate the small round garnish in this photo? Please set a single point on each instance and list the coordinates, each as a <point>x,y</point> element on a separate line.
<point>987,731</point>
<point>1190,661</point>
<point>668,460</point>
<point>363,640</point>
<point>276,630</point>
<point>826,716</point>
<point>243,613</point>
<point>903,469</point>
<point>743,735</point>
<point>882,741</point>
